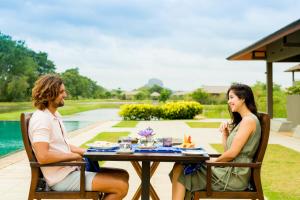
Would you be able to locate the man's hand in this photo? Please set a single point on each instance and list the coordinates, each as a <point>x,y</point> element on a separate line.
<point>77,157</point>
<point>77,150</point>
<point>212,159</point>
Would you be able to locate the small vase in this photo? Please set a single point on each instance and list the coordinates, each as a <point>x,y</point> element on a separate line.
<point>147,141</point>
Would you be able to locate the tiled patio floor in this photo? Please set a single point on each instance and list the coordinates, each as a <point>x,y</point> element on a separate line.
<point>15,171</point>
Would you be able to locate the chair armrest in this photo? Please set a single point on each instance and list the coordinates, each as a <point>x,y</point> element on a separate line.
<point>209,164</point>
<point>80,164</point>
<point>233,164</point>
<point>214,155</point>
<point>77,163</point>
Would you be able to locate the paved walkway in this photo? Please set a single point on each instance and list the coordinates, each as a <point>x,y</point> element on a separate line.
<point>15,171</point>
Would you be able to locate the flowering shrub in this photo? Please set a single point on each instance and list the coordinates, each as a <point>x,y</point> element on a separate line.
<point>173,110</point>
<point>181,110</point>
<point>138,111</point>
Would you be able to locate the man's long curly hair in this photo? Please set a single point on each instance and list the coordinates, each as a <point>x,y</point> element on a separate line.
<point>46,89</point>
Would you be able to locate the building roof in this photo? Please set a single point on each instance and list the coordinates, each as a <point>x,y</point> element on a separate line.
<point>131,93</point>
<point>181,93</point>
<point>155,94</point>
<point>294,69</point>
<point>215,89</point>
<point>280,46</point>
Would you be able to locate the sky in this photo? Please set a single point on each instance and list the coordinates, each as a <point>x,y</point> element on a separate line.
<point>124,43</point>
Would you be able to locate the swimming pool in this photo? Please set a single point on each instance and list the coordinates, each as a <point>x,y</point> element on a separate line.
<point>10,132</point>
<point>11,137</point>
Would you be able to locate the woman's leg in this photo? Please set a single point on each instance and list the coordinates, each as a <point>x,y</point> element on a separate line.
<point>178,190</point>
<point>113,182</point>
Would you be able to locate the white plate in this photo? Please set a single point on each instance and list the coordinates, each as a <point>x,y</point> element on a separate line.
<point>190,148</point>
<point>193,152</point>
<point>103,145</point>
<point>146,147</point>
<point>125,152</point>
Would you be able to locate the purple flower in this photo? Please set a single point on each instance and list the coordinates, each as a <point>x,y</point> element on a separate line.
<point>146,132</point>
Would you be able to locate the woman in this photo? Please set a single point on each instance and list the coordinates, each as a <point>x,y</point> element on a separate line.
<point>240,140</point>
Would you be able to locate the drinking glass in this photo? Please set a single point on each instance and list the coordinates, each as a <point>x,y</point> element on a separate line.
<point>167,142</point>
<point>125,144</point>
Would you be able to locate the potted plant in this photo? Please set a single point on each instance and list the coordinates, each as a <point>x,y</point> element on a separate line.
<point>293,104</point>
<point>147,137</point>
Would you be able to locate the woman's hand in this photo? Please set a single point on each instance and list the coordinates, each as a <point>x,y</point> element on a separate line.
<point>224,128</point>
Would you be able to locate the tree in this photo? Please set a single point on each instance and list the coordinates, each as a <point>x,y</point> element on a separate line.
<point>45,66</point>
<point>165,95</point>
<point>155,88</point>
<point>19,69</point>
<point>17,88</point>
<point>200,95</point>
<point>279,98</point>
<point>79,86</point>
<point>140,95</point>
<point>117,93</point>
<point>295,89</point>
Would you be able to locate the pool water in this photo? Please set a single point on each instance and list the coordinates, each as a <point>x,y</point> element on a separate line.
<point>10,131</point>
<point>11,137</point>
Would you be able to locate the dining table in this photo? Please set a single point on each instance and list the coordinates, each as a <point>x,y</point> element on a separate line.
<point>146,161</point>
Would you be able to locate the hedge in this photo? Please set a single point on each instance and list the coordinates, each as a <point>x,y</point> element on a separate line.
<point>172,110</point>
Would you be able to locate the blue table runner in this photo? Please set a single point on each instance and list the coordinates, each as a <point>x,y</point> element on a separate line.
<point>158,149</point>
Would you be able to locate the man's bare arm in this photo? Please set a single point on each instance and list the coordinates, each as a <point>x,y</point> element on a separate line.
<point>44,156</point>
<point>76,149</point>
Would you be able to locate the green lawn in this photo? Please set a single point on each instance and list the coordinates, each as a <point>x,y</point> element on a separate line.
<point>13,115</point>
<point>126,124</point>
<point>72,107</point>
<point>215,111</point>
<point>203,124</point>
<point>280,172</point>
<point>6,107</point>
<point>11,111</point>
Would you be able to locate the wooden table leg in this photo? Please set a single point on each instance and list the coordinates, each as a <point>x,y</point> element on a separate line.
<point>138,170</point>
<point>153,193</point>
<point>145,180</point>
<point>138,193</point>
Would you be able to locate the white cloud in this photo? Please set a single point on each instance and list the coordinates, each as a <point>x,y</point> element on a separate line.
<point>124,43</point>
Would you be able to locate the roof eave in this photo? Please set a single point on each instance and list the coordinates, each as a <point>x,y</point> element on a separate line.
<point>261,44</point>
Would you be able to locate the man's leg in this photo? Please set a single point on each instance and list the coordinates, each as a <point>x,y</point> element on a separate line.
<point>113,182</point>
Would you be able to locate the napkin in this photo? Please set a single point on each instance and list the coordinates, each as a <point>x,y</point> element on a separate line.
<point>157,150</point>
<point>91,166</point>
<point>113,149</point>
<point>192,167</point>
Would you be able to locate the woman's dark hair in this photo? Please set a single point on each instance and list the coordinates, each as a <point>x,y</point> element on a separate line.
<point>244,92</point>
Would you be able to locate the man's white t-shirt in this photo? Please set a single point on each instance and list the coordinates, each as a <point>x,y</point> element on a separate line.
<point>46,127</point>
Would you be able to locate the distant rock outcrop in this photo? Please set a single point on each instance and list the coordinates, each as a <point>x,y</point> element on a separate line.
<point>154,81</point>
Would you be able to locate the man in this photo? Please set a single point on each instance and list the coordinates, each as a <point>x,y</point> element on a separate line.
<point>48,137</point>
